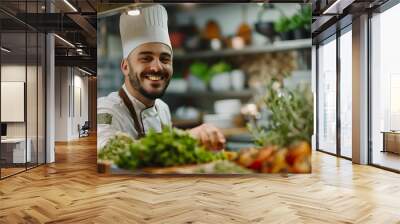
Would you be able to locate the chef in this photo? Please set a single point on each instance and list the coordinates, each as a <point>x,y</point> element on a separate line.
<point>147,69</point>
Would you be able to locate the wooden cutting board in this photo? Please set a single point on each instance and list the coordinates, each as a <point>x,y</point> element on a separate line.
<point>186,169</point>
<point>107,167</point>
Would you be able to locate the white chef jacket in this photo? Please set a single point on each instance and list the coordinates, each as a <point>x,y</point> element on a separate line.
<point>115,117</point>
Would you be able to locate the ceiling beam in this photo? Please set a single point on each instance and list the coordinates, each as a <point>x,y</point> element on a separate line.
<point>84,24</point>
<point>81,61</point>
<point>337,7</point>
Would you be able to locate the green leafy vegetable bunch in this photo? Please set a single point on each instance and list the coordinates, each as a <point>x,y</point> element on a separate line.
<point>171,147</point>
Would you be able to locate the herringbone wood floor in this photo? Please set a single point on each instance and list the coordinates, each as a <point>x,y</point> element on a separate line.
<point>70,191</point>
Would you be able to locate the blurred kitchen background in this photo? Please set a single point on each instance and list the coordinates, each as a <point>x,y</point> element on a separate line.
<point>225,55</point>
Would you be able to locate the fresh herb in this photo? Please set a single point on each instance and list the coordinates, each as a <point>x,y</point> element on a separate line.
<point>169,148</point>
<point>291,117</point>
<point>115,146</point>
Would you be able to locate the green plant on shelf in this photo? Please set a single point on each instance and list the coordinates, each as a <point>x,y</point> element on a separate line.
<point>306,17</point>
<point>296,22</point>
<point>282,25</point>
<point>205,73</point>
<point>219,67</point>
<point>302,19</point>
<point>200,70</point>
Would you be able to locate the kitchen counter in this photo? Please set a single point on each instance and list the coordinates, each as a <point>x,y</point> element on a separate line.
<point>228,132</point>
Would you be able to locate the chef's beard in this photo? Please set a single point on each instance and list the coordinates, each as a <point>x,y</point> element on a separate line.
<point>135,82</point>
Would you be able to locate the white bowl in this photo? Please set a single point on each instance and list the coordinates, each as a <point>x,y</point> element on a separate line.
<point>228,106</point>
<point>221,82</point>
<point>237,79</point>
<point>196,84</point>
<point>220,120</point>
<point>187,113</point>
<point>177,86</point>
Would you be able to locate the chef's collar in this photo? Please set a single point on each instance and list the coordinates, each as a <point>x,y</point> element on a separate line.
<point>139,106</point>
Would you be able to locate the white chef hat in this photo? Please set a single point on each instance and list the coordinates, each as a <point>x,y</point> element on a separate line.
<point>150,26</point>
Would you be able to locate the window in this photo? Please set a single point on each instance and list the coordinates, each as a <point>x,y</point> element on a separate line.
<point>346,93</point>
<point>385,89</point>
<point>327,96</point>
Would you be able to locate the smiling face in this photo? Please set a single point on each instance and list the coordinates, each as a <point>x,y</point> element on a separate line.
<point>149,69</point>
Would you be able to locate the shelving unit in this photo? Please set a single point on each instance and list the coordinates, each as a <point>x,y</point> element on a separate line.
<point>245,93</point>
<point>194,98</point>
<point>204,99</point>
<point>268,48</point>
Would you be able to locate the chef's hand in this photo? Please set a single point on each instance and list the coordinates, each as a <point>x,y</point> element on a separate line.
<point>208,135</point>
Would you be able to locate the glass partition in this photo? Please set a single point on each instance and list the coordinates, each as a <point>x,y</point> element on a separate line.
<point>14,151</point>
<point>22,88</point>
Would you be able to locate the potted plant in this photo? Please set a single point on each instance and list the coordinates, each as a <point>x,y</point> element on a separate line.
<point>300,23</point>
<point>220,77</point>
<point>198,78</point>
<point>282,26</point>
<point>306,18</point>
<point>296,25</point>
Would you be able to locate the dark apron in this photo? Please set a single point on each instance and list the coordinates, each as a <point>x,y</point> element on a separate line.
<point>131,108</point>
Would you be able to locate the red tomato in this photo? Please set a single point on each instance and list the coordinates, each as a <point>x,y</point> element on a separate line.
<point>256,165</point>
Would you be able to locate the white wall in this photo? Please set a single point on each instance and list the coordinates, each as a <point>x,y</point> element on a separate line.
<point>79,117</point>
<point>61,103</point>
<point>68,83</point>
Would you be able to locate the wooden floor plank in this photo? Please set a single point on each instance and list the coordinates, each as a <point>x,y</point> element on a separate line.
<point>71,191</point>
